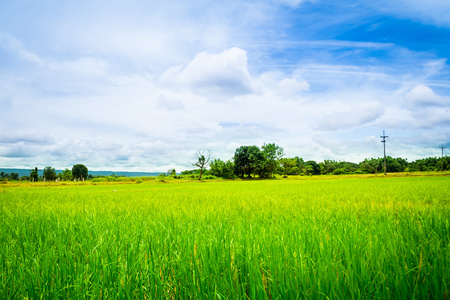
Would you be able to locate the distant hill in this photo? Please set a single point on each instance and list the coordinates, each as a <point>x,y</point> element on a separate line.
<point>26,172</point>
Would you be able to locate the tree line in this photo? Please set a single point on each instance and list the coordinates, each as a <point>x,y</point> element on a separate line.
<point>270,160</point>
<point>78,172</point>
<point>264,162</point>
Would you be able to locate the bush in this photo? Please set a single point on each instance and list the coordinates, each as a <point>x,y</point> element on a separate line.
<point>101,179</point>
<point>339,172</point>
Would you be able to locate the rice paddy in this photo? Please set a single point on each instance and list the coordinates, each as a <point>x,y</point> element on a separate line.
<point>342,238</point>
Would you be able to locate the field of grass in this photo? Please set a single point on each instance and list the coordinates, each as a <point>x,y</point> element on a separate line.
<point>337,238</point>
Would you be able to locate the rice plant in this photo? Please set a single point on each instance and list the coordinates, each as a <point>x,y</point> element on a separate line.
<point>384,238</point>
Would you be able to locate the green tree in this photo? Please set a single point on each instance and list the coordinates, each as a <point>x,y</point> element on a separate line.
<point>202,161</point>
<point>220,168</point>
<point>248,159</point>
<point>79,172</point>
<point>288,164</point>
<point>371,166</point>
<point>273,154</point>
<point>258,161</point>
<point>49,173</point>
<point>14,176</point>
<point>300,164</point>
<point>34,176</point>
<point>216,167</point>
<point>66,174</point>
<point>313,167</point>
<point>228,170</point>
<point>328,166</point>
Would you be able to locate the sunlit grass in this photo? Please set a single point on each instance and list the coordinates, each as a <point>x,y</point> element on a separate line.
<point>340,238</point>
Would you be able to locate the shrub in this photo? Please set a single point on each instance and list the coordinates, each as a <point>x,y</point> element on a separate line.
<point>339,172</point>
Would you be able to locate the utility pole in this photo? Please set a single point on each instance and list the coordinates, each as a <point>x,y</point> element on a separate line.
<point>384,149</point>
<point>442,158</point>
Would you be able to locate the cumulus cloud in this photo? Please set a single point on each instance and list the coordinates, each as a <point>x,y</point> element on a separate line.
<point>96,83</point>
<point>213,74</point>
<point>431,118</point>
<point>422,95</point>
<point>282,86</point>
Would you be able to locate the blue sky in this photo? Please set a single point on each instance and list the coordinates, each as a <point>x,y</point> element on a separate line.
<point>142,85</point>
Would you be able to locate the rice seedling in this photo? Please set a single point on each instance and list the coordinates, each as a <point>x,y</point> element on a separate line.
<point>334,238</point>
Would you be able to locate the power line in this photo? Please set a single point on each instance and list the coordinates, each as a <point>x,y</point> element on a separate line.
<point>384,149</point>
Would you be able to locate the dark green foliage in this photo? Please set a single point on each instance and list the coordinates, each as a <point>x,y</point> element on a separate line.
<point>339,172</point>
<point>34,175</point>
<point>67,174</point>
<point>247,160</point>
<point>5,176</point>
<point>430,164</point>
<point>222,169</point>
<point>273,154</point>
<point>288,164</point>
<point>49,173</point>
<point>79,172</point>
<point>330,166</point>
<point>312,167</point>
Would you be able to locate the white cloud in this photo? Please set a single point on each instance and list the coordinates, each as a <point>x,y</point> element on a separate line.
<point>360,115</point>
<point>432,11</point>
<point>84,65</point>
<point>13,45</point>
<point>223,74</point>
<point>293,3</point>
<point>96,83</point>
<point>422,95</point>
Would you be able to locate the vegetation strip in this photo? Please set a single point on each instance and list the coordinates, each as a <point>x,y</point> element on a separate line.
<point>341,238</point>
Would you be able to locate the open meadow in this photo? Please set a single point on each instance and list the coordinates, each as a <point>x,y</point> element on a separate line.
<point>338,238</point>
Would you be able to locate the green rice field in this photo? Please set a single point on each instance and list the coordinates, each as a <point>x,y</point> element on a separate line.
<point>334,238</point>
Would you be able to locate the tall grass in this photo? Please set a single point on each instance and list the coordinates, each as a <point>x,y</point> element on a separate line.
<point>337,239</point>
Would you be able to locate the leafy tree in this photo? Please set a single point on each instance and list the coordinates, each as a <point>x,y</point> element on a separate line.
<point>273,154</point>
<point>328,166</point>
<point>172,172</point>
<point>79,172</point>
<point>338,171</point>
<point>202,161</point>
<point>228,170</point>
<point>300,165</point>
<point>216,167</point>
<point>313,167</point>
<point>49,173</point>
<point>14,176</point>
<point>241,161</point>
<point>247,159</point>
<point>288,164</point>
<point>348,167</point>
<point>67,174</point>
<point>220,168</point>
<point>257,161</point>
<point>34,176</point>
